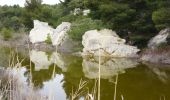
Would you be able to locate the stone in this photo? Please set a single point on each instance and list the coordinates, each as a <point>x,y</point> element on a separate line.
<point>158,56</point>
<point>106,43</point>
<point>76,11</point>
<point>60,33</point>
<point>86,12</point>
<point>161,38</point>
<point>42,30</point>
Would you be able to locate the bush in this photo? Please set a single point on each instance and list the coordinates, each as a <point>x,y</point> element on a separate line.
<point>67,18</point>
<point>48,40</point>
<point>161,18</point>
<point>6,33</point>
<point>81,25</point>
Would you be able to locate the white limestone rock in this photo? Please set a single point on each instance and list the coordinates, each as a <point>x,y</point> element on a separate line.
<point>86,12</point>
<point>108,43</point>
<point>41,30</point>
<point>60,33</point>
<point>76,11</point>
<point>159,39</point>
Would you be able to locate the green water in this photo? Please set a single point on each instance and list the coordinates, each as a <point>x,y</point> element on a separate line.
<point>135,81</point>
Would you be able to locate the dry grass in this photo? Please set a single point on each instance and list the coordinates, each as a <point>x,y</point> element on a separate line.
<point>12,87</point>
<point>83,90</point>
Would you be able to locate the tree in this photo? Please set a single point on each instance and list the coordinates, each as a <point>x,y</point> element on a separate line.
<point>32,11</point>
<point>33,4</point>
<point>161,18</point>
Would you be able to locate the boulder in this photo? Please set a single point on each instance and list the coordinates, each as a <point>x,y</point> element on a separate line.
<point>60,33</point>
<point>161,55</point>
<point>42,30</point>
<point>162,38</point>
<point>106,43</point>
<point>86,12</point>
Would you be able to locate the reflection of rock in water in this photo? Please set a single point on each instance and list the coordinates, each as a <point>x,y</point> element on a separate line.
<point>109,67</point>
<point>23,90</point>
<point>57,59</point>
<point>43,60</point>
<point>40,59</point>
<point>159,71</point>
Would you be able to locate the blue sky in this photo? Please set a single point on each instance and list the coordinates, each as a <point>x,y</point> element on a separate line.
<point>21,2</point>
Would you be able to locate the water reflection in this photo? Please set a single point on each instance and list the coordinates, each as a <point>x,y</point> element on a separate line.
<point>109,67</point>
<point>135,80</point>
<point>43,60</point>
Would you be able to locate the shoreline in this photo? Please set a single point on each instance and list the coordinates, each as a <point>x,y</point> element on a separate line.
<point>148,56</point>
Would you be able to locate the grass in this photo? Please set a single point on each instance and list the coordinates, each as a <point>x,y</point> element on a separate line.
<point>12,88</point>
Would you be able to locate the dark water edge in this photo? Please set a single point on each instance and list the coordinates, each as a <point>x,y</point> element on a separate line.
<point>136,81</point>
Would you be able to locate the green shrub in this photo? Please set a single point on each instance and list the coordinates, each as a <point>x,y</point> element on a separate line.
<point>6,33</point>
<point>81,25</point>
<point>66,18</point>
<point>48,40</point>
<point>161,18</point>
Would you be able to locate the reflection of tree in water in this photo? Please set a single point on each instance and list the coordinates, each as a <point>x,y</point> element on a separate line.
<point>73,75</point>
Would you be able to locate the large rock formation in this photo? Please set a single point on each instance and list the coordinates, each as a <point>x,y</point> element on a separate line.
<point>161,38</point>
<point>106,43</point>
<point>42,30</point>
<point>108,67</point>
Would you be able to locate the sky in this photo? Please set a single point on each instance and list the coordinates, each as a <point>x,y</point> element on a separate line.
<point>21,2</point>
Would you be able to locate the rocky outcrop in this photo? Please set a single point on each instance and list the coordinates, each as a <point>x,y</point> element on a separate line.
<point>108,67</point>
<point>42,30</point>
<point>158,48</point>
<point>60,33</point>
<point>161,55</point>
<point>86,12</point>
<point>161,38</point>
<point>106,43</point>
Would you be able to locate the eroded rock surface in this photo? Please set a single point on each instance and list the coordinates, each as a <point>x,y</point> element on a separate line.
<point>162,38</point>
<point>42,30</point>
<point>158,48</point>
<point>108,43</point>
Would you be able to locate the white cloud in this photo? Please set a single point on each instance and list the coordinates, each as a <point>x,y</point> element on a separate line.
<point>22,2</point>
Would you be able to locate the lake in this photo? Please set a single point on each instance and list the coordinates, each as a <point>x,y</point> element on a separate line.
<point>57,76</point>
